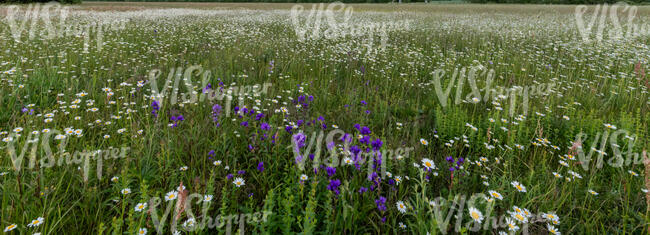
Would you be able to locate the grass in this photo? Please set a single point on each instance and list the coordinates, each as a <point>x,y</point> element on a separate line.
<point>390,90</point>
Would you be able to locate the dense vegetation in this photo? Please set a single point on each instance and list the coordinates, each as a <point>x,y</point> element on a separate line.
<point>408,1</point>
<point>521,153</point>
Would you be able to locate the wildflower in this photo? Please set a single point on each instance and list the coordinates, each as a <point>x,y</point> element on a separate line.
<point>398,179</point>
<point>189,222</point>
<point>140,206</point>
<point>401,207</point>
<point>428,164</point>
<point>334,186</point>
<point>402,225</point>
<point>330,171</point>
<point>303,177</point>
<point>217,163</point>
<point>363,190</point>
<point>126,191</point>
<point>183,168</point>
<point>238,182</point>
<point>424,142</point>
<point>563,163</point>
<point>518,186</point>
<point>610,126</point>
<point>552,229</point>
<point>519,217</point>
<point>381,203</point>
<point>512,226</point>
<point>207,198</point>
<point>495,194</point>
<point>260,166</point>
<point>35,223</point>
<point>142,231</point>
<point>10,227</point>
<point>155,106</point>
<point>171,196</point>
<point>476,214</point>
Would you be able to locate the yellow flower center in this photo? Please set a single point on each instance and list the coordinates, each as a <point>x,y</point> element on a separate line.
<point>519,217</point>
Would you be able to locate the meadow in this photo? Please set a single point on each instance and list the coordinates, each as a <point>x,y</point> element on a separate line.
<point>222,118</point>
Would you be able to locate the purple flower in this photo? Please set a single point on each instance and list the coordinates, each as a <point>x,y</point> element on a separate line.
<point>363,190</point>
<point>330,171</point>
<point>299,140</point>
<point>244,124</point>
<point>365,130</point>
<point>156,106</point>
<point>449,159</point>
<point>381,203</point>
<point>365,139</point>
<point>229,176</point>
<point>259,116</point>
<point>241,172</point>
<point>24,110</point>
<point>330,145</point>
<point>260,166</point>
<point>265,126</point>
<point>363,102</point>
<point>216,111</point>
<point>334,186</point>
<point>206,88</point>
<point>376,144</point>
<point>211,153</point>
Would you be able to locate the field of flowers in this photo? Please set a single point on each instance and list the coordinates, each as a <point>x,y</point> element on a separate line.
<point>372,119</point>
